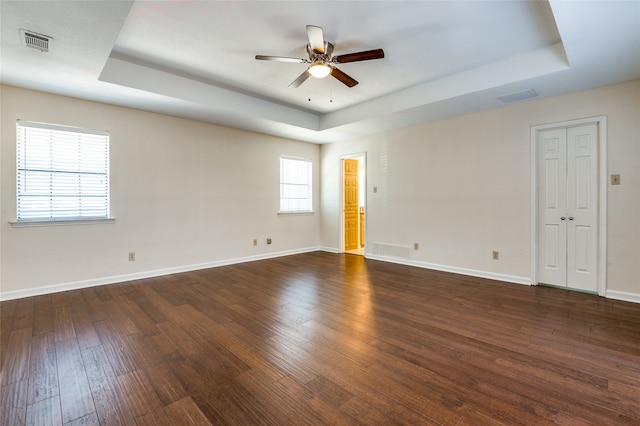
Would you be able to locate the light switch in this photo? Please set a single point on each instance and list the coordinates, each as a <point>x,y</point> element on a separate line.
<point>615,179</point>
<point>375,189</point>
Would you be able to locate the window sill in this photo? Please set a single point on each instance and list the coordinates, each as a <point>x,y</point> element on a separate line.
<point>296,213</point>
<point>35,223</point>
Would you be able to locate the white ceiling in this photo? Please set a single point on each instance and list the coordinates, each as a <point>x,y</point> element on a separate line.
<point>195,59</point>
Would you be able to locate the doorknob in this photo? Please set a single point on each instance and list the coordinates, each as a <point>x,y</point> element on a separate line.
<point>562,218</point>
<point>570,218</point>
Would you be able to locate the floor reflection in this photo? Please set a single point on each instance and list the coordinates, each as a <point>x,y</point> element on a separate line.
<point>346,322</point>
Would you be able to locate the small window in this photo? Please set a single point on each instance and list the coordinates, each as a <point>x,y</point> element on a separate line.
<point>62,173</point>
<point>295,185</point>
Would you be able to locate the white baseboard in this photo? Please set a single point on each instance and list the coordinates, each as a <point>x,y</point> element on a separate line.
<point>623,295</point>
<point>454,269</point>
<point>330,250</point>
<point>17,294</point>
<point>610,294</point>
<point>55,288</point>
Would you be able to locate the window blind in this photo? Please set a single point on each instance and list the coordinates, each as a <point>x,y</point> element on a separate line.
<point>62,173</point>
<point>295,185</point>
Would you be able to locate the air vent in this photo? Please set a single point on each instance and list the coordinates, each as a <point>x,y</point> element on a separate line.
<point>36,41</point>
<point>391,250</point>
<point>518,96</point>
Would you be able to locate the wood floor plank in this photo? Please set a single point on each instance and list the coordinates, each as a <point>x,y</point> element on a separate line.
<point>43,315</point>
<point>15,365</point>
<point>111,407</point>
<point>24,313</point>
<point>180,338</point>
<point>143,323</point>
<point>63,323</point>
<point>43,371</point>
<point>119,355</point>
<point>156,303</point>
<point>392,386</point>
<point>76,398</point>
<point>88,420</point>
<point>367,414</point>
<point>95,305</point>
<point>350,378</point>
<point>161,345</point>
<point>324,408</point>
<point>141,400</point>
<point>162,380</point>
<point>45,412</point>
<point>281,405</point>
<point>120,323</point>
<point>7,314</point>
<point>84,328</point>
<point>147,306</point>
<point>319,338</point>
<point>223,401</point>
<point>13,403</point>
<point>185,412</point>
<point>8,308</point>
<point>279,355</point>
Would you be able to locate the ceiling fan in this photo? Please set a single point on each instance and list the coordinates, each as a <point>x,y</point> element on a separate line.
<point>320,60</point>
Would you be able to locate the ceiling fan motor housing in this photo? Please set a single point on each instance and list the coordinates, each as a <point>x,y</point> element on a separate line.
<point>320,59</point>
<point>323,57</point>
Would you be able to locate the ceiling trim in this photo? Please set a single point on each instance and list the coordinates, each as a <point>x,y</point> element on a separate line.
<point>216,99</point>
<point>136,76</point>
<point>538,63</point>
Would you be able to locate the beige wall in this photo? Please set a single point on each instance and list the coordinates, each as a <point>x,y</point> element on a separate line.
<point>461,187</point>
<point>187,194</point>
<point>184,194</point>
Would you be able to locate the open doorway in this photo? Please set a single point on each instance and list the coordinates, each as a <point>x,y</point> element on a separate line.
<point>353,204</point>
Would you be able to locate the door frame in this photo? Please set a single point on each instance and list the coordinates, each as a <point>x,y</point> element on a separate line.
<point>601,122</point>
<point>359,156</point>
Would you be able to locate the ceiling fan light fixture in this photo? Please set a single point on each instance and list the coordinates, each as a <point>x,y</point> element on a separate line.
<point>319,70</point>
<point>321,59</point>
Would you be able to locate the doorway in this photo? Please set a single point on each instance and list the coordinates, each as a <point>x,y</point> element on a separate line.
<point>353,204</point>
<point>569,178</point>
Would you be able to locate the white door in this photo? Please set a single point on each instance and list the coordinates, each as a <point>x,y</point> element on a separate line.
<point>568,203</point>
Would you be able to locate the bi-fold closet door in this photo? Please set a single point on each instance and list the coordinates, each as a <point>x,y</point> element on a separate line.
<point>568,207</point>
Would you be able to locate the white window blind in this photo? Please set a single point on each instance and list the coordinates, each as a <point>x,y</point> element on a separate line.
<point>295,185</point>
<point>62,173</point>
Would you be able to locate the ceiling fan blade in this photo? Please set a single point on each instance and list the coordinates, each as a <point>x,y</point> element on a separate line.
<point>359,56</point>
<point>344,78</point>
<point>316,38</point>
<point>298,81</point>
<point>281,59</point>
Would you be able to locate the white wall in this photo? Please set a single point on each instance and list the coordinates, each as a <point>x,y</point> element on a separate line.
<point>461,188</point>
<point>187,194</point>
<point>184,194</point>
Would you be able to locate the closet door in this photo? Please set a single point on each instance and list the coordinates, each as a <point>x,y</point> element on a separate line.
<point>552,202</point>
<point>582,207</point>
<point>568,206</point>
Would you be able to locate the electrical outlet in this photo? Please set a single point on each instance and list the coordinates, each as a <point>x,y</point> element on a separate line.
<point>255,242</point>
<point>416,246</point>
<point>132,256</point>
<point>615,179</point>
<point>268,240</point>
<point>496,255</point>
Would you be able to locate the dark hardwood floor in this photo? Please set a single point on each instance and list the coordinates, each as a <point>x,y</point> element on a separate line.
<point>319,338</point>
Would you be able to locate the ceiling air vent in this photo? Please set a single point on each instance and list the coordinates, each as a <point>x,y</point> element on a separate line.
<point>518,96</point>
<point>36,41</point>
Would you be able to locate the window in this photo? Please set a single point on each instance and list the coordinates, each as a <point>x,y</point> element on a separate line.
<point>62,173</point>
<point>295,185</point>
